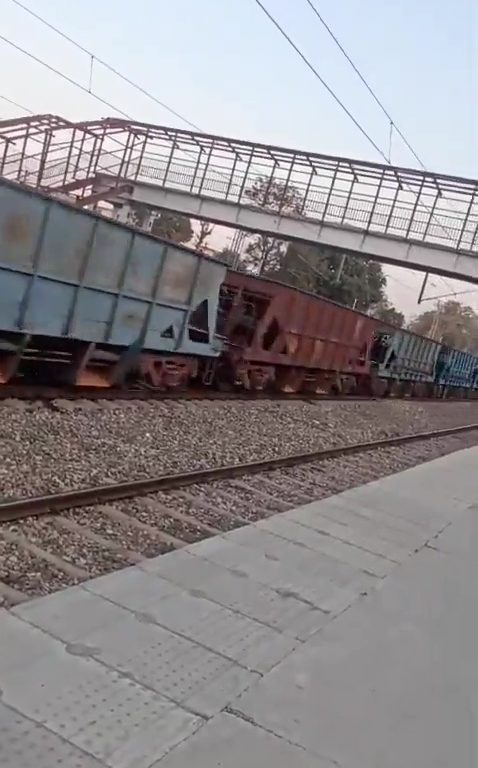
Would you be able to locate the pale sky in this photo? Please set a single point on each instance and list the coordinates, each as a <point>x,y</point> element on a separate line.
<point>223,66</point>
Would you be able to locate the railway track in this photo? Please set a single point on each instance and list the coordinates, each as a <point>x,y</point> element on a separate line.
<point>40,505</point>
<point>49,394</point>
<point>52,541</point>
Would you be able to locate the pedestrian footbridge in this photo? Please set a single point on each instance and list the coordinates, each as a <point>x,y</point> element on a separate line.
<point>411,218</point>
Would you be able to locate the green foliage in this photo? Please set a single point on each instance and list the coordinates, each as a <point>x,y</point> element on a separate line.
<point>349,280</point>
<point>264,253</point>
<point>386,312</point>
<point>229,257</point>
<point>141,214</point>
<point>172,226</point>
<point>273,195</point>
<point>166,224</point>
<point>205,228</point>
<point>452,323</point>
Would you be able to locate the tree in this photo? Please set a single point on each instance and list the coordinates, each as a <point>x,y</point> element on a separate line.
<point>140,214</point>
<point>229,257</point>
<point>166,224</point>
<point>204,230</point>
<point>273,195</point>
<point>386,312</point>
<point>264,253</point>
<point>349,280</point>
<point>172,226</point>
<point>452,323</point>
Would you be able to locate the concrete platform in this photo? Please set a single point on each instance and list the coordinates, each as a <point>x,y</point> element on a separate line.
<point>341,634</point>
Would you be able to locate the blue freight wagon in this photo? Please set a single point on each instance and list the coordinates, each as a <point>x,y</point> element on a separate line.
<point>97,293</point>
<point>421,365</point>
<point>408,357</point>
<point>456,369</point>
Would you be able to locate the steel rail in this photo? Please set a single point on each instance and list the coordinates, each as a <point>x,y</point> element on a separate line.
<point>47,394</point>
<point>40,505</point>
<point>35,392</point>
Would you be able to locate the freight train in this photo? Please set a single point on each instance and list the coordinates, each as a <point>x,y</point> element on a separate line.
<point>86,301</point>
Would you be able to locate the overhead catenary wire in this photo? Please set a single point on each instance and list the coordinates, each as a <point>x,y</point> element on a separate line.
<point>372,92</point>
<point>102,62</point>
<point>70,80</point>
<point>61,74</point>
<point>92,58</point>
<point>89,91</point>
<point>7,100</point>
<point>367,85</point>
<point>319,77</point>
<point>336,98</point>
<point>106,65</point>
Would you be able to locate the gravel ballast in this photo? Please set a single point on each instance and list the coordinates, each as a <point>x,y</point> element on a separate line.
<point>67,445</point>
<point>33,576</point>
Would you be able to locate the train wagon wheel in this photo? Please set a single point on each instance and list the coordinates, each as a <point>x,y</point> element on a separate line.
<point>373,386</point>
<point>289,380</point>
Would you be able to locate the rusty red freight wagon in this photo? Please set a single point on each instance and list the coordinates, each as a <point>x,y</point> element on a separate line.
<point>282,337</point>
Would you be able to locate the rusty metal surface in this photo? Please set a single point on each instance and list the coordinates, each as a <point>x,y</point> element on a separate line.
<point>47,151</point>
<point>294,328</point>
<point>40,505</point>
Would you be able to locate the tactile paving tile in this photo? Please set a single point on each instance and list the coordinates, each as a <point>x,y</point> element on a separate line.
<point>374,513</point>
<point>227,632</point>
<point>327,545</point>
<point>303,575</point>
<point>92,706</point>
<point>356,535</point>
<point>240,594</point>
<point>173,666</point>
<point>25,744</point>
<point>289,550</point>
<point>399,497</point>
<point>388,529</point>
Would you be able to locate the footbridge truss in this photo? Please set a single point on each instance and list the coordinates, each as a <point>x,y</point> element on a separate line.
<point>423,220</point>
